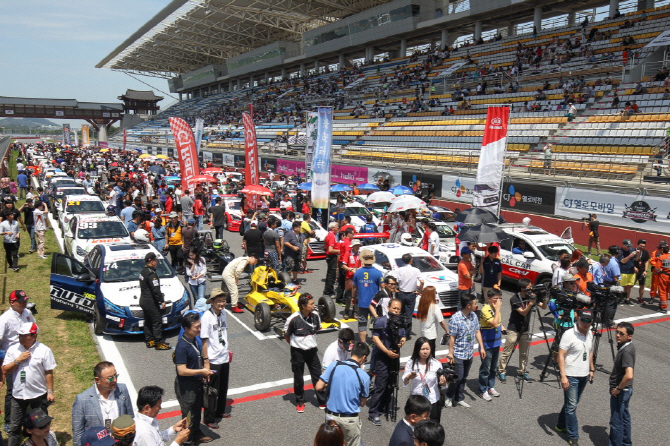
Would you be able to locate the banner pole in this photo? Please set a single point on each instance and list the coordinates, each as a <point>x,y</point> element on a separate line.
<point>502,177</point>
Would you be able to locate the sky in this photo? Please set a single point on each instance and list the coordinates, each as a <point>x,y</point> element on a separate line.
<point>49,48</point>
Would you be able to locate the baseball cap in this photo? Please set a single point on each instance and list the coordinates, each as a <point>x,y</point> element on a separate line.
<point>28,328</point>
<point>97,436</point>
<point>627,242</point>
<point>191,221</point>
<point>662,243</point>
<point>18,296</point>
<point>253,223</point>
<point>586,315</point>
<point>569,278</point>
<point>122,427</point>
<point>466,250</point>
<point>36,418</point>
<point>367,257</point>
<point>174,215</point>
<point>216,292</point>
<point>356,242</point>
<point>150,257</point>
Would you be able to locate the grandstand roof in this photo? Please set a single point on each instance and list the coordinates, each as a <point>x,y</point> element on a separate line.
<point>191,34</point>
<point>140,95</point>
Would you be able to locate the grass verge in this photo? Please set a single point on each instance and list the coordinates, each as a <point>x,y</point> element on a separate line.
<point>66,333</point>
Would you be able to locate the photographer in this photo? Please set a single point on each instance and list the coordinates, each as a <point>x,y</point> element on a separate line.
<point>388,335</point>
<point>594,234</point>
<point>522,304</point>
<point>569,290</point>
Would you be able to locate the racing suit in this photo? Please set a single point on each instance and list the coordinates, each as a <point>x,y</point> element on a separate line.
<point>653,291</point>
<point>661,263</point>
<point>151,300</point>
<point>231,275</point>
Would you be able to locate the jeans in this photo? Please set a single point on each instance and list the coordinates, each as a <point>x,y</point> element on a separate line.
<point>456,388</point>
<point>33,242</point>
<point>567,419</point>
<point>198,292</point>
<point>198,222</point>
<point>620,418</point>
<point>487,369</point>
<point>408,301</point>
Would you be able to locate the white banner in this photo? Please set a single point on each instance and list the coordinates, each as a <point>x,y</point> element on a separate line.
<point>639,212</point>
<point>491,160</point>
<point>228,160</point>
<point>446,72</point>
<point>458,188</point>
<point>310,143</point>
<point>662,39</point>
<point>322,156</point>
<point>206,156</point>
<point>199,125</point>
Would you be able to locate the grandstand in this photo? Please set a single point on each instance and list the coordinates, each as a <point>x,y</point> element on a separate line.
<point>426,104</point>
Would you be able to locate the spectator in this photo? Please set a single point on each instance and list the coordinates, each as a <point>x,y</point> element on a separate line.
<point>36,426</point>
<point>615,101</point>
<point>218,217</point>
<point>29,221</point>
<point>195,269</point>
<point>198,211</point>
<point>187,203</point>
<point>641,266</point>
<point>430,316</point>
<point>417,408</point>
<point>621,385</point>
<point>490,270</point>
<point>252,241</point>
<point>490,322</point>
<point>329,434</point>
<point>147,433</point>
<point>123,430</point>
<point>175,240</point>
<point>101,403</point>
<point>340,349</point>
<point>594,233</point>
<point>421,372</point>
<point>465,273</point>
<point>626,259</point>
<point>9,228</point>
<point>366,284</point>
<point>272,243</point>
<point>22,179</point>
<point>428,433</point>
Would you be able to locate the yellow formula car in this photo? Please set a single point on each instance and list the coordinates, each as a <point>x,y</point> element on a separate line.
<point>274,296</point>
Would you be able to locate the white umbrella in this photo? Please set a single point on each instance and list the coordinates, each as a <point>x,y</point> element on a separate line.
<point>405,202</point>
<point>380,197</point>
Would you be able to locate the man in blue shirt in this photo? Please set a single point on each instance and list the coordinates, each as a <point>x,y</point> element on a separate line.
<point>22,179</point>
<point>348,390</point>
<point>367,281</point>
<point>612,270</point>
<point>598,270</point>
<point>520,248</point>
<point>127,212</point>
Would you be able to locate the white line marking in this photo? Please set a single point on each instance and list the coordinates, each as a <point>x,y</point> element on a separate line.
<point>111,354</point>
<point>256,333</point>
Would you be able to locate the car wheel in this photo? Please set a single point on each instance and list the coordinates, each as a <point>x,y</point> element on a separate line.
<point>98,322</point>
<point>262,317</point>
<point>285,277</point>
<point>326,309</point>
<point>545,281</point>
<point>225,224</point>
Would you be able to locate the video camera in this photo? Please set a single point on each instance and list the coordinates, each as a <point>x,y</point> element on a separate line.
<point>539,291</point>
<point>601,293</point>
<point>448,370</point>
<point>570,301</point>
<point>395,323</point>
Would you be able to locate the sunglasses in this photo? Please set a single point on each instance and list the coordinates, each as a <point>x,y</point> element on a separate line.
<point>112,378</point>
<point>588,321</point>
<point>621,333</point>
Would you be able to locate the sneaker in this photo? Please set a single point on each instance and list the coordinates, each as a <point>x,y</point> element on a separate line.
<point>30,251</point>
<point>494,392</point>
<point>662,311</point>
<point>502,377</point>
<point>573,442</point>
<point>16,270</point>
<point>213,425</point>
<point>163,346</point>
<point>525,377</point>
<point>463,404</point>
<point>238,309</point>
<point>448,402</point>
<point>375,420</point>
<point>640,301</point>
<point>560,429</point>
<point>226,415</point>
<point>485,396</point>
<point>630,303</point>
<point>150,344</point>
<point>322,406</point>
<point>42,257</point>
<point>300,407</point>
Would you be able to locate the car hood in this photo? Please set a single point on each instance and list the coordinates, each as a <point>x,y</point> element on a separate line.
<point>88,244</point>
<point>441,280</point>
<point>125,294</point>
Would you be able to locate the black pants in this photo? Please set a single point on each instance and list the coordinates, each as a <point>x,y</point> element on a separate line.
<point>610,311</point>
<point>176,254</point>
<point>300,358</point>
<point>12,254</point>
<point>331,272</point>
<point>218,231</point>
<point>381,395</point>
<point>189,395</point>
<point>9,386</point>
<point>408,301</point>
<point>219,381</point>
<point>436,411</point>
<point>153,321</point>
<point>456,388</point>
<point>340,282</point>
<point>19,409</point>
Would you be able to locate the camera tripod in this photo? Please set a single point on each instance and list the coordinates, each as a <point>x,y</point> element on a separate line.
<point>393,387</point>
<point>553,350</point>
<point>599,315</point>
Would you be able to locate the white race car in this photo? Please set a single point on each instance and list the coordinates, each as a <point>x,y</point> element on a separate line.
<point>358,213</point>
<point>388,258</point>
<point>87,231</point>
<point>447,236</point>
<point>78,204</point>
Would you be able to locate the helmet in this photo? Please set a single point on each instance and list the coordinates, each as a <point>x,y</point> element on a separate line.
<point>78,181</point>
<point>218,244</point>
<point>141,235</point>
<point>406,240</point>
<point>111,210</point>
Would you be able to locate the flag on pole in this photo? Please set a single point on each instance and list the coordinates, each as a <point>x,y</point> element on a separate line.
<point>251,165</point>
<point>125,139</point>
<point>488,184</point>
<point>322,155</point>
<point>76,138</point>
<point>188,158</point>
<point>66,133</point>
<point>310,142</point>
<point>199,126</point>
<point>85,141</point>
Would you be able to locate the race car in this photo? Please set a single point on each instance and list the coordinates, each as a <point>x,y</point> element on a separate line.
<point>233,215</point>
<point>358,214</point>
<point>447,236</point>
<point>540,256</point>
<point>316,247</point>
<point>106,287</point>
<point>388,258</point>
<point>78,204</point>
<point>87,231</point>
<point>59,194</point>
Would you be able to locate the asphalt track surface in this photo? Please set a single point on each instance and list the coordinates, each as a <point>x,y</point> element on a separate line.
<point>263,406</point>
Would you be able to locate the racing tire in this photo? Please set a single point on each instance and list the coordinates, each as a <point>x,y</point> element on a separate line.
<point>262,317</point>
<point>285,277</point>
<point>225,224</point>
<point>98,322</point>
<point>326,309</point>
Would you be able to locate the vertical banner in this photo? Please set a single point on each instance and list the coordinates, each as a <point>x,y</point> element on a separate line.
<point>188,159</point>
<point>85,139</point>
<point>310,142</point>
<point>486,193</point>
<point>251,110</point>
<point>251,149</point>
<point>76,138</point>
<point>199,125</point>
<point>125,139</point>
<point>66,133</point>
<point>321,165</point>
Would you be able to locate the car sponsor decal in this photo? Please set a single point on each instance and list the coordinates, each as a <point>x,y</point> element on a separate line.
<point>87,225</point>
<point>79,302</point>
<point>106,240</point>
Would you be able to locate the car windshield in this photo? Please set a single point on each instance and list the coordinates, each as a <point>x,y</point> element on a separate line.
<point>70,191</point>
<point>129,270</point>
<point>444,232</point>
<point>233,205</point>
<point>78,207</point>
<point>101,229</point>
<point>424,264</point>
<point>357,210</point>
<point>551,250</point>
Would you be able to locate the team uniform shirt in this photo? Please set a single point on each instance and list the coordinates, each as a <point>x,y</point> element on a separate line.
<point>433,319</point>
<point>10,322</point>
<point>236,267</point>
<point>302,330</point>
<point>434,243</point>
<point>215,330</point>
<point>578,349</point>
<point>30,379</point>
<point>426,382</point>
<point>147,432</point>
<point>352,261</point>
<point>464,329</point>
<point>408,278</point>
<point>491,335</point>
<point>346,390</point>
<point>345,249</point>
<point>491,270</point>
<point>334,353</point>
<point>331,241</point>
<point>557,277</point>
<point>367,281</point>
<point>381,302</point>
<point>463,269</point>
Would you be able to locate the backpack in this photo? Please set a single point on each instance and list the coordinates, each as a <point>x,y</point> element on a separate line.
<point>330,379</point>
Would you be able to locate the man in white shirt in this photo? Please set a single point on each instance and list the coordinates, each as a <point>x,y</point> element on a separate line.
<point>41,225</point>
<point>575,362</point>
<point>10,322</point>
<point>31,364</point>
<point>339,350</point>
<point>433,239</point>
<point>147,433</point>
<point>214,335</point>
<point>409,283</point>
<point>286,203</point>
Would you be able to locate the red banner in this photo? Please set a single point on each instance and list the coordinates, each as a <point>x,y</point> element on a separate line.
<point>488,183</point>
<point>186,153</point>
<point>251,110</point>
<point>125,139</point>
<point>251,149</point>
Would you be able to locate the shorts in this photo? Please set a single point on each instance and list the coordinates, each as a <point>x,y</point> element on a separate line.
<point>627,279</point>
<point>291,264</point>
<point>641,279</point>
<point>363,314</point>
<point>177,208</point>
<point>303,251</point>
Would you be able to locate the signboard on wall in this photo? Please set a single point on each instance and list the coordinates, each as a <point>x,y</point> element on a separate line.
<point>537,198</point>
<point>458,188</point>
<point>638,212</point>
<point>410,178</point>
